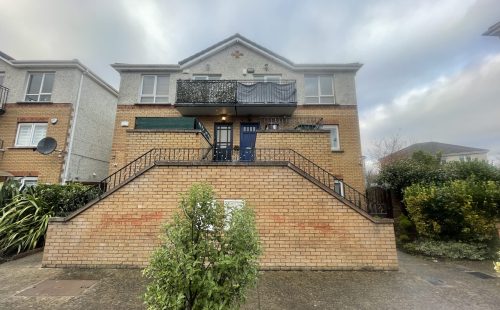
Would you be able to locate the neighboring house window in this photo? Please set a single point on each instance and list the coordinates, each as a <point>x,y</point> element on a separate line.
<point>206,77</point>
<point>2,76</point>
<point>27,181</point>
<point>467,158</point>
<point>40,86</point>
<point>461,158</point>
<point>154,89</point>
<point>334,136</point>
<point>319,89</point>
<point>29,134</point>
<point>267,78</point>
<point>230,205</point>
<point>338,187</point>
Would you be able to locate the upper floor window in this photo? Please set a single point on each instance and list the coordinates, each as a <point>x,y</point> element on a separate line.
<point>267,78</point>
<point>319,89</point>
<point>206,77</point>
<point>154,89</point>
<point>40,86</point>
<point>334,136</point>
<point>2,77</point>
<point>29,134</point>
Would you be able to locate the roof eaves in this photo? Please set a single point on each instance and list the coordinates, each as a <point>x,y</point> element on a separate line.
<point>122,67</point>
<point>493,30</point>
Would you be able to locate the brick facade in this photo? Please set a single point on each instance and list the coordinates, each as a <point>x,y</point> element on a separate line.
<point>300,225</point>
<point>24,161</point>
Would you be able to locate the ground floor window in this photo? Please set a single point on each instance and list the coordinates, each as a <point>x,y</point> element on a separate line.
<point>334,136</point>
<point>338,187</point>
<point>29,134</point>
<point>27,181</point>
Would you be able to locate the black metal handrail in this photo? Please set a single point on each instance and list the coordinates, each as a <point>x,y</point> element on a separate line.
<point>300,162</point>
<point>235,91</point>
<point>4,93</point>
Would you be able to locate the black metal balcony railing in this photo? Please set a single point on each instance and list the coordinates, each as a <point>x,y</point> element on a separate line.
<point>235,92</point>
<point>291,123</point>
<point>4,93</point>
<point>291,157</point>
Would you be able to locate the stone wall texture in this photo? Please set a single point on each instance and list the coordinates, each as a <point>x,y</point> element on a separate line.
<point>300,225</point>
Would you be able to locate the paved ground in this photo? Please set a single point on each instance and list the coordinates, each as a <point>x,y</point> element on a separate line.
<point>420,284</point>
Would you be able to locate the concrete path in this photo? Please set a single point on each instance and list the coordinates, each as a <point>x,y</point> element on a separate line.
<point>420,284</point>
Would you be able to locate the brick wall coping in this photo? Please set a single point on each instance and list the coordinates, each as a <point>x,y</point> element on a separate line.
<point>164,130</point>
<point>236,163</point>
<point>293,131</point>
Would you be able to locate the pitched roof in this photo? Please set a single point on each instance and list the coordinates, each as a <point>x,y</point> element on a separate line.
<point>493,30</point>
<point>5,56</point>
<point>436,147</point>
<point>237,38</point>
<point>52,64</point>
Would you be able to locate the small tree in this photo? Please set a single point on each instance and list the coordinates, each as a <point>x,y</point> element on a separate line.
<point>208,257</point>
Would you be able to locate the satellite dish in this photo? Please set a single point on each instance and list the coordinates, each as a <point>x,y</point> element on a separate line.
<point>46,145</point>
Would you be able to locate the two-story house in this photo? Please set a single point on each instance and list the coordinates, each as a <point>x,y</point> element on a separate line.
<point>281,136</point>
<point>59,99</point>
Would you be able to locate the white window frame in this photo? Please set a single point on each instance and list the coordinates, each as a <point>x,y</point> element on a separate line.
<point>341,186</point>
<point>33,125</point>
<point>332,136</point>
<point>205,77</point>
<point>229,206</point>
<point>165,98</point>
<point>266,77</point>
<point>39,94</point>
<point>317,76</point>
<point>23,180</point>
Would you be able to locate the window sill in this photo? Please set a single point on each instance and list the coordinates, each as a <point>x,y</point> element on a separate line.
<point>153,104</point>
<point>337,151</point>
<point>35,102</point>
<point>33,148</point>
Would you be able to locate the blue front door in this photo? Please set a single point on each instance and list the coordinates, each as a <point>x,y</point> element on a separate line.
<point>248,135</point>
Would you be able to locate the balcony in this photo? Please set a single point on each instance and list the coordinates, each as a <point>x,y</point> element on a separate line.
<point>4,93</point>
<point>236,97</point>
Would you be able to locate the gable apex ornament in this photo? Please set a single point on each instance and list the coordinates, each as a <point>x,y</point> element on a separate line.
<point>237,54</point>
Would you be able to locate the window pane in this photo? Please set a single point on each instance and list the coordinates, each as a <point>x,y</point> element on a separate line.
<point>161,99</point>
<point>147,99</point>
<point>311,86</point>
<point>334,134</point>
<point>31,98</point>
<point>326,99</point>
<point>39,134</point>
<point>214,77</point>
<point>34,83</point>
<point>162,85</point>
<point>24,135</point>
<point>312,100</point>
<point>148,84</point>
<point>48,83</point>
<point>45,97</point>
<point>326,85</point>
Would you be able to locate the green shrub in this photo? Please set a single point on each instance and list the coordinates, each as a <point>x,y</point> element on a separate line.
<point>8,190</point>
<point>405,229</point>
<point>449,249</point>
<point>207,259</point>
<point>479,170</point>
<point>23,224</point>
<point>457,210</point>
<point>66,198</point>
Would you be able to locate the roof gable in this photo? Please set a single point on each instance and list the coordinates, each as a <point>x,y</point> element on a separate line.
<point>232,40</point>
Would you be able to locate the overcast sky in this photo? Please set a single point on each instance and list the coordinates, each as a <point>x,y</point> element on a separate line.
<point>428,73</point>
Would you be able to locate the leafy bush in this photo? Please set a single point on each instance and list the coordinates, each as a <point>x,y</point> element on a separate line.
<point>64,198</point>
<point>207,259</point>
<point>449,249</point>
<point>479,170</point>
<point>8,190</point>
<point>24,220</point>
<point>405,229</point>
<point>23,223</point>
<point>457,210</point>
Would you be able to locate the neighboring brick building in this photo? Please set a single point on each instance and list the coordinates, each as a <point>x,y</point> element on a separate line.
<point>282,136</point>
<point>59,99</point>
